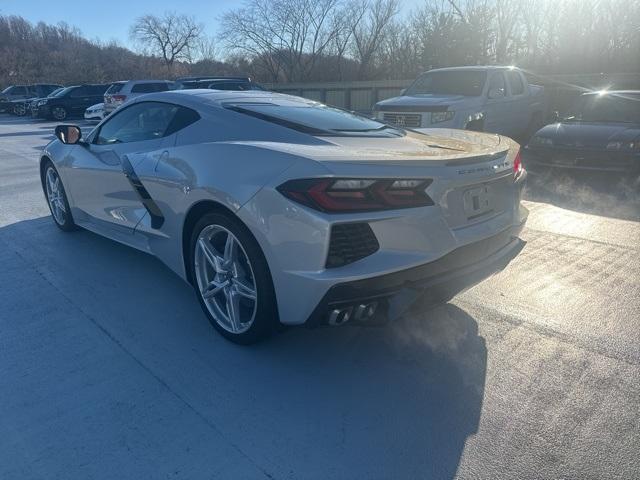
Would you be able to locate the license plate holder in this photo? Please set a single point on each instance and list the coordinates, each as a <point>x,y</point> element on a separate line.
<point>478,201</point>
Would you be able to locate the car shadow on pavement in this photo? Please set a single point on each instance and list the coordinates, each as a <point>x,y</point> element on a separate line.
<point>601,193</point>
<point>397,401</point>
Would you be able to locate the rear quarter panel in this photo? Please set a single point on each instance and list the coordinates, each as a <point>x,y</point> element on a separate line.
<point>226,173</point>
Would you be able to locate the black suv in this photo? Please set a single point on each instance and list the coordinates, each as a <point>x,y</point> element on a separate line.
<point>217,83</point>
<point>23,92</point>
<point>70,102</point>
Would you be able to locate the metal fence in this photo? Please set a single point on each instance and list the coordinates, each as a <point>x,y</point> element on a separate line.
<point>561,90</point>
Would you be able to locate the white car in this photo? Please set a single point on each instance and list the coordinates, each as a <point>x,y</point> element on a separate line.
<point>281,210</point>
<point>121,92</point>
<point>95,112</point>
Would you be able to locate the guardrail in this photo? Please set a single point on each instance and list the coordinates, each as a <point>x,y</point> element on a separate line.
<point>561,90</point>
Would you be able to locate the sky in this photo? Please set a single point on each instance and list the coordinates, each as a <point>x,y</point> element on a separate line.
<point>110,20</point>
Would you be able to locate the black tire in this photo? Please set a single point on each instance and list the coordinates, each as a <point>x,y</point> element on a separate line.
<point>266,319</point>
<point>59,113</point>
<point>20,110</point>
<point>68,225</point>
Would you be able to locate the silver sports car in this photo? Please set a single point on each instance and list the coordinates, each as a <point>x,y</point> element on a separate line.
<point>281,210</point>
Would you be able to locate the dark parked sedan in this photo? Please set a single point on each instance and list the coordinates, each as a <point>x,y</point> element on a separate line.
<point>72,101</point>
<point>602,134</point>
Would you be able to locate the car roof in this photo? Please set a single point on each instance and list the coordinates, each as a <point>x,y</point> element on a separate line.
<point>212,77</point>
<point>216,98</point>
<point>479,68</point>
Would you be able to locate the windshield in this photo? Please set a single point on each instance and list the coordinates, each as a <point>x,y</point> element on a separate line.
<point>316,119</point>
<point>63,92</point>
<point>469,83</point>
<point>55,92</point>
<point>608,108</point>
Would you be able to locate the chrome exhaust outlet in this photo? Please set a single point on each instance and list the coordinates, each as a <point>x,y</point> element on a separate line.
<point>360,313</point>
<point>366,311</point>
<point>340,316</point>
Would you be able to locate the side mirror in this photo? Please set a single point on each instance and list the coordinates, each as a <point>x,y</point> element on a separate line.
<point>69,134</point>
<point>496,93</point>
<point>555,116</point>
<point>403,91</point>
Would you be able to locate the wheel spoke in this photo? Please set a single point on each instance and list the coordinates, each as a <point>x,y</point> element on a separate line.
<point>211,255</point>
<point>50,181</point>
<point>244,289</point>
<point>228,248</point>
<point>233,309</point>
<point>213,288</point>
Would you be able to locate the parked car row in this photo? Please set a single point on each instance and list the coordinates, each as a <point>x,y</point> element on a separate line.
<point>96,101</point>
<point>15,98</point>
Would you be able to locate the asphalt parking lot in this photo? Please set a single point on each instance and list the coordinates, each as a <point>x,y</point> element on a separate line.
<point>109,369</point>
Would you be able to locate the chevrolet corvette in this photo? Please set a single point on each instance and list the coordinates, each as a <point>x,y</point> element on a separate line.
<point>283,211</point>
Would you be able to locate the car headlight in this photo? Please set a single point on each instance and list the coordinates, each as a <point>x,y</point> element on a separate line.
<point>541,142</point>
<point>439,117</point>
<point>42,102</point>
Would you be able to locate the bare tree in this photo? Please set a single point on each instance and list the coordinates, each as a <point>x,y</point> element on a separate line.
<point>286,36</point>
<point>369,33</point>
<point>171,36</point>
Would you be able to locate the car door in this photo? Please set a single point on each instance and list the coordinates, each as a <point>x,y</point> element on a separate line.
<point>497,105</point>
<point>102,171</point>
<point>520,111</point>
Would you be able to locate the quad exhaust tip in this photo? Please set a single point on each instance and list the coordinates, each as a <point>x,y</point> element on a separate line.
<point>361,313</point>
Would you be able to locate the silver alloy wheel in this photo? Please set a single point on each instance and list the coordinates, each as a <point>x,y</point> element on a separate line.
<point>55,196</point>
<point>225,279</point>
<point>20,109</point>
<point>59,113</point>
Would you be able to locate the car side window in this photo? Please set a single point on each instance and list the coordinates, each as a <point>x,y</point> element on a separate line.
<point>137,123</point>
<point>515,83</point>
<point>182,119</point>
<point>79,92</point>
<point>150,87</point>
<point>19,91</point>
<point>496,82</point>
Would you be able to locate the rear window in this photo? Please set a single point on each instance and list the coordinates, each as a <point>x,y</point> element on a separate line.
<point>316,119</point>
<point>150,87</point>
<point>114,88</point>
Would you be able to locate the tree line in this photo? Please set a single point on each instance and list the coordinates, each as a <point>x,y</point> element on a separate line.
<point>333,40</point>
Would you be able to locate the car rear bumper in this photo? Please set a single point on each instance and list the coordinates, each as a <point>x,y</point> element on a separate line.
<point>392,294</point>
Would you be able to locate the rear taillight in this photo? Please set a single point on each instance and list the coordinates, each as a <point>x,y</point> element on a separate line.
<point>357,195</point>
<point>517,164</point>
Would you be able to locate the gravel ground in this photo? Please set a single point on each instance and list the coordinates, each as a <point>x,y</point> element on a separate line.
<point>108,368</point>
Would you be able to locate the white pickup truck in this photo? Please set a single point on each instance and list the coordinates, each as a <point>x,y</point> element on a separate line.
<point>489,99</point>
